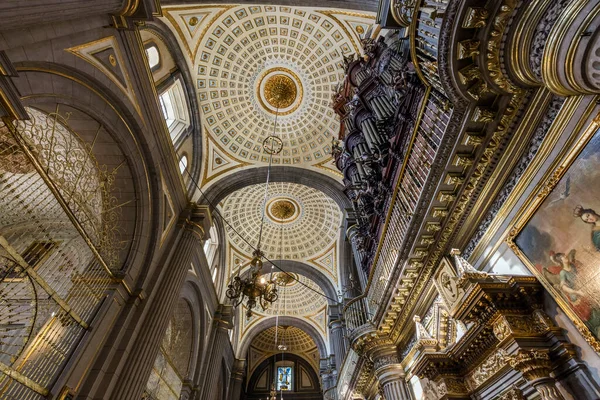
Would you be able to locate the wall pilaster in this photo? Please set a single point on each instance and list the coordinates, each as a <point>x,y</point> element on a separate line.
<point>137,368</point>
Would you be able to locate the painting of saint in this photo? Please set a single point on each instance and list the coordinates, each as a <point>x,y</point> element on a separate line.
<point>558,235</point>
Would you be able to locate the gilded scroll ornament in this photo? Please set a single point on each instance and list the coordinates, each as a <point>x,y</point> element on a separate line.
<point>533,364</point>
<point>481,114</point>
<point>493,63</point>
<point>402,11</point>
<point>486,370</point>
<point>468,49</point>
<point>469,73</point>
<point>512,394</point>
<point>501,329</point>
<point>475,17</point>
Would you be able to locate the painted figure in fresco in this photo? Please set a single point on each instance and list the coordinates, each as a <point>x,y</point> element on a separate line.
<point>564,276</point>
<point>592,218</point>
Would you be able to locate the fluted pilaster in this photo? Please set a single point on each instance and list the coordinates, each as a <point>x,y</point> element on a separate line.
<point>390,373</point>
<point>237,378</point>
<point>218,344</point>
<point>140,359</point>
<point>336,330</point>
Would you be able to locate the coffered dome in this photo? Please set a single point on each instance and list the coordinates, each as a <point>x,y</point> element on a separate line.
<point>253,62</point>
<point>300,222</point>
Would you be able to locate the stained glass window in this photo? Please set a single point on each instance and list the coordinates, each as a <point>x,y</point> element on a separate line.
<point>284,378</point>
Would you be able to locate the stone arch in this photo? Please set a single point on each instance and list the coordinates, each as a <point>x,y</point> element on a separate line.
<point>102,104</point>
<point>255,176</point>
<point>251,333</point>
<point>268,366</point>
<point>192,293</point>
<point>309,271</point>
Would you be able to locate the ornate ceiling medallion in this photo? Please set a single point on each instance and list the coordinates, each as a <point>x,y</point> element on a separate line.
<point>280,90</point>
<point>283,210</point>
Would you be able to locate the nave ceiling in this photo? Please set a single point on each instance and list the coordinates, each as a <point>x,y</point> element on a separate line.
<point>255,65</point>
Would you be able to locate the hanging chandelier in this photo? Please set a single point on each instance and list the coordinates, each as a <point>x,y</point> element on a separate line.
<point>255,286</point>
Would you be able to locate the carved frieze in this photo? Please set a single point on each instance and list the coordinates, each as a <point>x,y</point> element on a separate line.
<point>512,394</point>
<point>518,325</point>
<point>492,365</point>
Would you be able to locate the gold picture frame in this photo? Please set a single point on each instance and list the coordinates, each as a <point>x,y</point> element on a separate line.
<point>555,189</point>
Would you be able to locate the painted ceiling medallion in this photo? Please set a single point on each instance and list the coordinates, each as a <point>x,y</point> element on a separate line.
<point>280,91</point>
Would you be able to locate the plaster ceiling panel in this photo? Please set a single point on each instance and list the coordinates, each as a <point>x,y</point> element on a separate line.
<point>255,62</point>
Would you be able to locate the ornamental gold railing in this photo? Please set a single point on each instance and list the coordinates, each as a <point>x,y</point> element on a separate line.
<point>429,130</point>
<point>60,244</point>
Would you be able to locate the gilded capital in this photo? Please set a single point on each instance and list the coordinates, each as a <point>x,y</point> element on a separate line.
<point>533,364</point>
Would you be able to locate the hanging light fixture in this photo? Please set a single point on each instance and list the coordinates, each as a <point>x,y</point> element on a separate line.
<point>257,287</point>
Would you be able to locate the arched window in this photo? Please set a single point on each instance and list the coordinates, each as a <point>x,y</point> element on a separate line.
<point>211,245</point>
<point>153,57</point>
<point>284,377</point>
<point>174,109</point>
<point>183,163</point>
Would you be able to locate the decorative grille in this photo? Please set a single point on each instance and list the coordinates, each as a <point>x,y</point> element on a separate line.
<point>59,244</point>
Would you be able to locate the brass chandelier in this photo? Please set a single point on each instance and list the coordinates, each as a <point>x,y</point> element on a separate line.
<point>255,286</point>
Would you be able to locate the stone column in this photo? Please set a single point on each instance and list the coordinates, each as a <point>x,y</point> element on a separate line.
<point>237,378</point>
<point>535,366</point>
<point>152,326</point>
<point>391,378</point>
<point>338,344</point>
<point>218,350</point>
<point>390,373</point>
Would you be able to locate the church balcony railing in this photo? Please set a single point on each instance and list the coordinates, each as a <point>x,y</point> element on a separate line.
<point>356,315</point>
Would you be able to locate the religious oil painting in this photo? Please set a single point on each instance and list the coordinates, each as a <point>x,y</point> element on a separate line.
<point>558,235</point>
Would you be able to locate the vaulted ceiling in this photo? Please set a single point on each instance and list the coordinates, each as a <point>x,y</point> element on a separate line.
<point>253,62</point>
<point>253,65</point>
